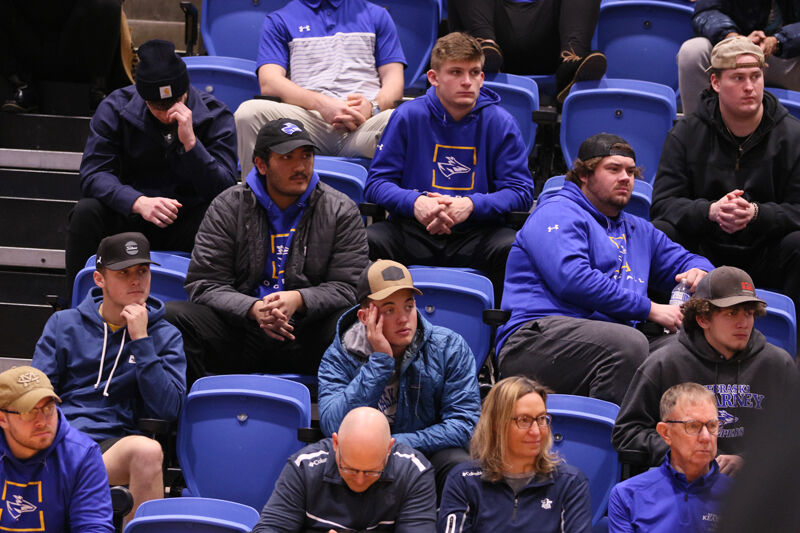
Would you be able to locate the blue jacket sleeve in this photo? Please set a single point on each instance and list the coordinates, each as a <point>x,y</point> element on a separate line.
<point>90,503</point>
<point>461,403</point>
<point>711,22</point>
<point>161,371</point>
<point>670,259</point>
<point>455,509</point>
<point>619,520</point>
<point>386,171</point>
<point>577,505</point>
<point>562,259</point>
<point>284,512</point>
<point>513,183</point>
<point>46,356</point>
<point>344,386</point>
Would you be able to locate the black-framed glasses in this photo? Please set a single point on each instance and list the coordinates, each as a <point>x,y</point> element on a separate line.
<point>29,416</point>
<point>525,421</point>
<point>354,472</point>
<point>694,427</point>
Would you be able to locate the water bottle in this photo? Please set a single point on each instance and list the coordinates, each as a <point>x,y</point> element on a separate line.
<point>679,295</point>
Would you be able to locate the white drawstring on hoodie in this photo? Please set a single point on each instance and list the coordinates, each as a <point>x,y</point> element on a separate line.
<point>103,356</point>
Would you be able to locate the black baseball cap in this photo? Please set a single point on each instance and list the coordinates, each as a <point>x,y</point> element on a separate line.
<point>727,286</point>
<point>599,145</point>
<point>282,135</point>
<point>123,250</point>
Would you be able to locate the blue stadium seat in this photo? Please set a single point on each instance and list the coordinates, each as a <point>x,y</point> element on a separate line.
<point>192,515</point>
<point>639,205</point>
<point>789,99</point>
<point>519,96</point>
<point>779,325</point>
<point>236,432</point>
<point>641,112</point>
<point>343,176</point>
<point>231,80</point>
<point>641,38</point>
<point>582,436</point>
<point>455,298</point>
<point>233,27</point>
<point>547,87</point>
<point>417,23</point>
<point>166,280</point>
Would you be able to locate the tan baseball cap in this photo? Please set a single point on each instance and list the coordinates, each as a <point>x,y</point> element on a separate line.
<point>727,51</point>
<point>383,278</point>
<point>22,387</point>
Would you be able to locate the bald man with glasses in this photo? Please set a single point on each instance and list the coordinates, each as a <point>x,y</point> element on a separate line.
<point>360,479</point>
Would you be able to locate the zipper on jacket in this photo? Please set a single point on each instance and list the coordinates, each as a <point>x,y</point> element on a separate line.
<point>514,514</point>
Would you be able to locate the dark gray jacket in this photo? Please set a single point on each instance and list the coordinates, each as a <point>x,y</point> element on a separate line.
<point>326,257</point>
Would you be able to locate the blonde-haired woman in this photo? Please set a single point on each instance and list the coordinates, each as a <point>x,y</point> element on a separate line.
<point>515,483</point>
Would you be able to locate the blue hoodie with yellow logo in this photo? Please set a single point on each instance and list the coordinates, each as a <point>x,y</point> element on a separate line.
<point>424,150</point>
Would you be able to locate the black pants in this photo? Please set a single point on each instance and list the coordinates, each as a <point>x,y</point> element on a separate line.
<point>91,220</point>
<point>774,266</point>
<point>443,462</point>
<point>531,35</point>
<point>406,241</point>
<point>215,343</point>
<point>64,40</point>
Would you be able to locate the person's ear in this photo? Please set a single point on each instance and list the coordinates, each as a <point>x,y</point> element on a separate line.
<point>703,322</point>
<point>715,83</point>
<point>391,443</point>
<point>335,439</point>
<point>98,278</point>
<point>261,165</point>
<point>663,429</point>
<point>362,314</point>
<point>433,78</point>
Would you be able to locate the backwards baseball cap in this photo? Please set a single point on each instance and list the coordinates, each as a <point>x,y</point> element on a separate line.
<point>122,250</point>
<point>281,135</point>
<point>161,74</point>
<point>726,52</point>
<point>383,278</point>
<point>600,145</point>
<point>727,286</point>
<point>22,387</point>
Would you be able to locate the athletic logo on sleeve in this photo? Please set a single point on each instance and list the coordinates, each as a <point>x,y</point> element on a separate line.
<point>304,28</point>
<point>454,167</point>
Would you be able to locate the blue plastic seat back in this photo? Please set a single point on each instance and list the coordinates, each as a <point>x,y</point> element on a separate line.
<point>166,279</point>
<point>231,80</point>
<point>581,431</point>
<point>779,325</point>
<point>455,299</point>
<point>789,99</point>
<point>519,96</point>
<point>546,83</point>
<point>236,432</point>
<point>417,23</point>
<point>641,38</point>
<point>639,204</point>
<point>343,176</point>
<point>233,27</point>
<point>192,515</point>
<point>640,112</point>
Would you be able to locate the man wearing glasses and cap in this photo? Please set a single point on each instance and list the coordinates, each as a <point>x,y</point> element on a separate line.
<point>52,475</point>
<point>360,479</point>
<point>718,348</point>
<point>690,475</point>
<point>157,154</point>
<point>577,279</point>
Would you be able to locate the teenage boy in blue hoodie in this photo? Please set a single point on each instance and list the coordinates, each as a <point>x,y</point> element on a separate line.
<point>114,360</point>
<point>52,475</point>
<point>577,280</point>
<point>449,167</point>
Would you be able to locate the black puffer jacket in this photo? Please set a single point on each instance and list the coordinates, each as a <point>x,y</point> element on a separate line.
<point>701,163</point>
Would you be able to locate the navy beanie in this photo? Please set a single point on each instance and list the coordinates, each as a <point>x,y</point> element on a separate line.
<point>161,74</point>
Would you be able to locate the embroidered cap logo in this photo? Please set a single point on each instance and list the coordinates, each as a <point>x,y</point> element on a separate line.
<point>27,379</point>
<point>131,248</point>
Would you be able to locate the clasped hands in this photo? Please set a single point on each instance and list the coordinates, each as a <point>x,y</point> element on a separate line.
<point>732,212</point>
<point>274,311</point>
<point>439,212</point>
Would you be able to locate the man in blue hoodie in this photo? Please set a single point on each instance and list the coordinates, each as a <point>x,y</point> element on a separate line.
<point>114,360</point>
<point>449,168</point>
<point>387,356</point>
<point>577,280</point>
<point>685,492</point>
<point>52,475</point>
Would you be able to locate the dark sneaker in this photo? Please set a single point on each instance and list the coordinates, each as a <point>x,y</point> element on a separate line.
<point>24,100</point>
<point>493,55</point>
<point>574,68</point>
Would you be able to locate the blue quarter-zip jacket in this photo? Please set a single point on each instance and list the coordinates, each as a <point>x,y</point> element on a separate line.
<point>424,150</point>
<point>571,260</point>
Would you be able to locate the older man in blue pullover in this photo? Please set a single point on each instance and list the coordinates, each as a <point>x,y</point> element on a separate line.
<point>449,167</point>
<point>577,280</point>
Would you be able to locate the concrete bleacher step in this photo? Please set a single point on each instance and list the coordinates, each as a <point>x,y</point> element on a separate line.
<point>157,19</point>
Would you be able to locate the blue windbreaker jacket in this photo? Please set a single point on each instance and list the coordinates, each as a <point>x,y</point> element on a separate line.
<point>62,488</point>
<point>424,150</point>
<point>84,360</point>
<point>571,260</point>
<point>438,400</point>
